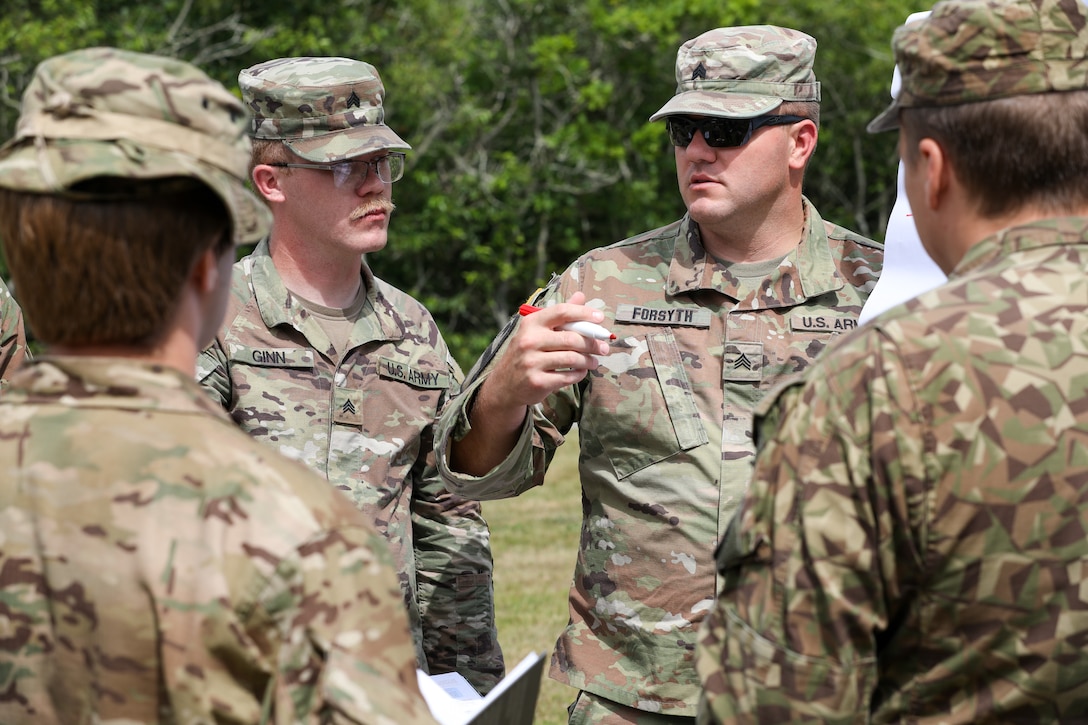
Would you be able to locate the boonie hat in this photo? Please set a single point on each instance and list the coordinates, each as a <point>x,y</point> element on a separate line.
<point>742,72</point>
<point>105,112</point>
<point>968,51</point>
<point>323,109</point>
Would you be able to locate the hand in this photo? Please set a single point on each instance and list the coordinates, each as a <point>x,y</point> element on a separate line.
<point>541,358</point>
<point>538,359</point>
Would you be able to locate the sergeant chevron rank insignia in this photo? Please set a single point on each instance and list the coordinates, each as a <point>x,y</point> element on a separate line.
<point>345,406</point>
<point>742,362</point>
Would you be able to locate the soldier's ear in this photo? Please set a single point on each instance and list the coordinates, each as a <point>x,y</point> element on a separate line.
<point>937,175</point>
<point>205,274</point>
<point>266,180</point>
<point>803,136</point>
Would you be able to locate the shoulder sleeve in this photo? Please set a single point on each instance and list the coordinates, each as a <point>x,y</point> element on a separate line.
<point>13,349</point>
<point>213,373</point>
<point>347,655</point>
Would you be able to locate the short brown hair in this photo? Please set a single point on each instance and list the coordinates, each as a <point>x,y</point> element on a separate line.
<point>805,109</point>
<point>108,270</point>
<point>268,151</point>
<point>1011,152</point>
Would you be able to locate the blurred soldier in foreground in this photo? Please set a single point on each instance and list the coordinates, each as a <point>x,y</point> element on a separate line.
<point>913,546</point>
<point>711,311</point>
<point>157,565</point>
<point>12,335</point>
<point>328,364</point>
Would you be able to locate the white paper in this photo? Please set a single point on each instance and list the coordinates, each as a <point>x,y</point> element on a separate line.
<point>453,701</point>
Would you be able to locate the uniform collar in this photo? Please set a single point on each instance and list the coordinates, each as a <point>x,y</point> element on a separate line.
<point>1023,237</point>
<point>104,382</point>
<point>807,271</point>
<point>279,307</point>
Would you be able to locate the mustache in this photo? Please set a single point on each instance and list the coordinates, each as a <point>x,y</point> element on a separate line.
<point>373,205</point>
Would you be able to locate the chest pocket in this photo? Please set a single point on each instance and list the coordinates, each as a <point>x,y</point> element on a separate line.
<point>648,409</point>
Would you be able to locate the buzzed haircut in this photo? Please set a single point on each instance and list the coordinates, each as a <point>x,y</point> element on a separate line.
<point>1012,152</point>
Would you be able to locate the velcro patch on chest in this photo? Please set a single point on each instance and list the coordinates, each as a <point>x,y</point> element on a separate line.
<point>273,357</point>
<point>742,362</point>
<point>420,378</point>
<point>800,322</point>
<point>672,316</point>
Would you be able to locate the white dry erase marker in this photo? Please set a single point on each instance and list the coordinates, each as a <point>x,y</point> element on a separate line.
<point>586,329</point>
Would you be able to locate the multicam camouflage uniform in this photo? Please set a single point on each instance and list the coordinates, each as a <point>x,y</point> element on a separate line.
<point>912,546</point>
<point>364,421</point>
<point>181,573</point>
<point>12,334</point>
<point>361,417</point>
<point>663,429</point>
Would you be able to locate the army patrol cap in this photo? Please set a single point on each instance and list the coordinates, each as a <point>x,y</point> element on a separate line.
<point>105,112</point>
<point>742,72</point>
<point>323,109</point>
<point>968,51</point>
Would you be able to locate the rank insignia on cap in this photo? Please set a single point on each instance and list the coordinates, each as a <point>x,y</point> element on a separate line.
<point>699,72</point>
<point>353,100</point>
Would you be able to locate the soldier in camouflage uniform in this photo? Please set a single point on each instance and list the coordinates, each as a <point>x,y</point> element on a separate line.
<point>334,367</point>
<point>912,547</point>
<point>12,334</point>
<point>710,311</point>
<point>156,564</point>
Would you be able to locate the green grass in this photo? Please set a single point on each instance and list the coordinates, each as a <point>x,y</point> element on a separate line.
<point>534,540</point>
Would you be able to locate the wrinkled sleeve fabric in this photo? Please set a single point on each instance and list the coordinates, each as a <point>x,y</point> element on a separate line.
<point>13,348</point>
<point>542,431</point>
<point>454,568</point>
<point>213,375</point>
<point>822,547</point>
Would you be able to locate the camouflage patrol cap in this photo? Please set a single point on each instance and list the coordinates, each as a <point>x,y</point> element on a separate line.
<point>742,72</point>
<point>968,51</point>
<point>323,109</point>
<point>105,112</point>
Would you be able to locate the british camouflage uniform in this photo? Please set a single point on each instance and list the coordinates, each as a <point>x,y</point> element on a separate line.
<point>663,431</point>
<point>362,417</point>
<point>912,546</point>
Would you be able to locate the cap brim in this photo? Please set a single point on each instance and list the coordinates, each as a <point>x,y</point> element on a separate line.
<point>346,144</point>
<point>721,105</point>
<point>61,164</point>
<point>888,120</point>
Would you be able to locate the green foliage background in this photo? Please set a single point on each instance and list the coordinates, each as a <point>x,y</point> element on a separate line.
<point>527,117</point>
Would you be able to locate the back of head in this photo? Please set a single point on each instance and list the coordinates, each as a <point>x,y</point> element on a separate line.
<point>1001,85</point>
<point>744,72</point>
<point>124,168</point>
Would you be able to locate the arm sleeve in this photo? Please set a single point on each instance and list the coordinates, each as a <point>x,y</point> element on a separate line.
<point>213,373</point>
<point>452,548</point>
<point>816,558</point>
<point>13,348</point>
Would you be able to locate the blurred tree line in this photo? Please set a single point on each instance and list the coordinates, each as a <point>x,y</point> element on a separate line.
<point>527,117</point>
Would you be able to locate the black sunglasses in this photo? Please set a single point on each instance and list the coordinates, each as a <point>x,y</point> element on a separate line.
<point>721,132</point>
